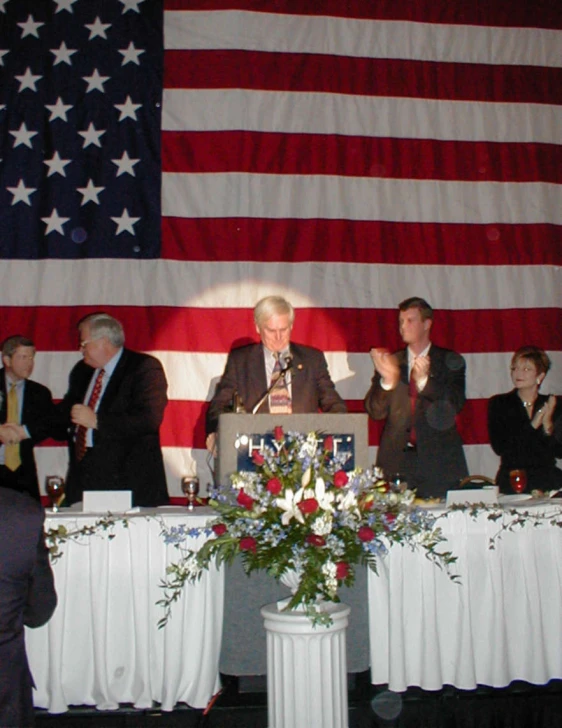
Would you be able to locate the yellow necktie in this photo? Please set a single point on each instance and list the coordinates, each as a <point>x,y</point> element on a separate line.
<point>12,459</point>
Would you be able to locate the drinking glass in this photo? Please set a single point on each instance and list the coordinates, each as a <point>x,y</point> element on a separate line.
<point>54,486</point>
<point>398,481</point>
<point>518,480</point>
<point>190,487</point>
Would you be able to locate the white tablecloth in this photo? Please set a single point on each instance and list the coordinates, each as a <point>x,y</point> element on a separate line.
<point>503,622</point>
<point>102,646</point>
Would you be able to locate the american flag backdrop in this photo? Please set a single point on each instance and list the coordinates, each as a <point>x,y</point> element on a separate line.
<point>173,162</point>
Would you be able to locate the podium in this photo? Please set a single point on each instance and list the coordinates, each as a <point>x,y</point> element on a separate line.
<point>239,435</point>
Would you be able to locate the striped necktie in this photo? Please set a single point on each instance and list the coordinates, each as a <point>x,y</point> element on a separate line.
<point>279,399</point>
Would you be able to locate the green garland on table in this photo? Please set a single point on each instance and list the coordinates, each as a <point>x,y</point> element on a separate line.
<point>55,537</point>
<point>513,518</point>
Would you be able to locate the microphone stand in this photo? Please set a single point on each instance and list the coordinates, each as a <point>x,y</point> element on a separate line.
<point>280,379</point>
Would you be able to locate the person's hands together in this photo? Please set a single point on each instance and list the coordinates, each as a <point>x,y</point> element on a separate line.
<point>83,415</point>
<point>386,365</point>
<point>10,433</point>
<point>420,368</point>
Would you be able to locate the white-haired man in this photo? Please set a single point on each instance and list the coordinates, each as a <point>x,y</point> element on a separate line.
<point>306,386</point>
<point>111,415</point>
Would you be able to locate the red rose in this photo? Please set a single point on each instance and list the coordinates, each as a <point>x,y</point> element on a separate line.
<point>274,486</point>
<point>258,458</point>
<point>340,479</point>
<point>342,570</point>
<point>245,500</point>
<point>389,518</point>
<point>219,529</point>
<point>308,505</point>
<point>329,443</point>
<point>278,433</point>
<point>248,543</point>
<point>315,540</point>
<point>365,533</point>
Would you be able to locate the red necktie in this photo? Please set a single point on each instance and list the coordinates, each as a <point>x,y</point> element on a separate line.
<point>413,392</point>
<point>80,441</point>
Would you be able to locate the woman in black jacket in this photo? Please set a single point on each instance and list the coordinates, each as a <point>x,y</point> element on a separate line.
<point>525,427</point>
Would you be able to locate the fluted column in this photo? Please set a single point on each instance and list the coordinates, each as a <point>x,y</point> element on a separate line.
<point>306,669</point>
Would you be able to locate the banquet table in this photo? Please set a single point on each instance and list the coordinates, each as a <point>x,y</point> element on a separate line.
<point>102,647</point>
<point>502,622</point>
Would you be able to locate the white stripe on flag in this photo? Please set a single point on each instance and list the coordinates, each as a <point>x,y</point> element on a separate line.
<point>239,284</point>
<point>283,196</point>
<point>347,114</point>
<point>236,29</point>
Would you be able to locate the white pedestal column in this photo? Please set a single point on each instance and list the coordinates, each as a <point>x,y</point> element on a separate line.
<point>306,669</point>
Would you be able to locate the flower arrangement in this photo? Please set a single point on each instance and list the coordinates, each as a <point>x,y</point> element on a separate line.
<point>300,513</point>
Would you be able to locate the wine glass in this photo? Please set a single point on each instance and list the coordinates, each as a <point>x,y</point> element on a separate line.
<point>518,480</point>
<point>54,485</point>
<point>190,487</point>
<point>398,482</point>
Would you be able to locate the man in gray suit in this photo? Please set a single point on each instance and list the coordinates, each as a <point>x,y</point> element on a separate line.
<point>27,597</point>
<point>419,391</point>
<point>249,372</point>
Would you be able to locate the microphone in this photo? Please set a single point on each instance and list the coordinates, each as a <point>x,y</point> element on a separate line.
<point>288,364</point>
<point>281,378</point>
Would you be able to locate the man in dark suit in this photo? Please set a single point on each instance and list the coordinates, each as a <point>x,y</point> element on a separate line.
<point>419,391</point>
<point>306,384</point>
<point>26,409</point>
<point>27,597</point>
<point>112,414</point>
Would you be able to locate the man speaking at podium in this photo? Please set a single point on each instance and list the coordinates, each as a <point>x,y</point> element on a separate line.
<point>276,376</point>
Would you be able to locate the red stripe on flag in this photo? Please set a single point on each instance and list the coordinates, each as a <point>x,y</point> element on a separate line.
<point>162,328</point>
<point>501,13</point>
<point>359,241</point>
<point>269,153</point>
<point>236,69</point>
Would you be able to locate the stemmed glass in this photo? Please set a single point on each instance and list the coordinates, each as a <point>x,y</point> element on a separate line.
<point>398,481</point>
<point>518,480</point>
<point>190,488</point>
<point>54,485</point>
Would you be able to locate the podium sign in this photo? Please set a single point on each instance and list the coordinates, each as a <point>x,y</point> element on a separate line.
<point>240,435</point>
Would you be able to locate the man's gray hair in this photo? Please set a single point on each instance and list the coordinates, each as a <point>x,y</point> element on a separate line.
<point>272,306</point>
<point>102,325</point>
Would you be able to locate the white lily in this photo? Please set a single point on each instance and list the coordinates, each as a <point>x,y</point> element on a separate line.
<point>325,499</point>
<point>305,480</point>
<point>289,504</point>
<point>347,501</point>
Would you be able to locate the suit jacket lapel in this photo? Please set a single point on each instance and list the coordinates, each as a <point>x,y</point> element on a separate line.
<point>297,381</point>
<point>4,395</point>
<point>257,382</point>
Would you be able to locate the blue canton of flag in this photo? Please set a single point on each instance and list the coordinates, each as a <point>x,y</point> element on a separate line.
<point>80,113</point>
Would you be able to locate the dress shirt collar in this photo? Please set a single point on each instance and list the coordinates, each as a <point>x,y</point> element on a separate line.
<point>412,356</point>
<point>109,368</point>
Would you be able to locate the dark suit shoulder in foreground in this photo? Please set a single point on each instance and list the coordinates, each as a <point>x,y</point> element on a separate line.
<point>27,597</point>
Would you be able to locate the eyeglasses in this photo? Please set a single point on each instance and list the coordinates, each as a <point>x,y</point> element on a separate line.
<point>84,344</point>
